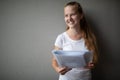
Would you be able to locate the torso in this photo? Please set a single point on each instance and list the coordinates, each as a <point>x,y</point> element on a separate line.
<point>74,45</point>
<point>70,44</point>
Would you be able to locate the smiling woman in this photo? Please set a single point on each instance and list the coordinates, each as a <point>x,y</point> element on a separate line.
<point>28,29</point>
<point>77,37</point>
<point>72,17</point>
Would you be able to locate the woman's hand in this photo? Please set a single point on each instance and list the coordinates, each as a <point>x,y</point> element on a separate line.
<point>90,65</point>
<point>63,70</point>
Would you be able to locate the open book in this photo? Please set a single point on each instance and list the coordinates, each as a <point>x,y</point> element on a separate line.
<point>72,59</point>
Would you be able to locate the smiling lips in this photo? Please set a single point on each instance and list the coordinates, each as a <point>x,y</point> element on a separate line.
<point>70,21</point>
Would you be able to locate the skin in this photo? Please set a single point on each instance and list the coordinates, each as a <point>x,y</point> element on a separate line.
<point>72,19</point>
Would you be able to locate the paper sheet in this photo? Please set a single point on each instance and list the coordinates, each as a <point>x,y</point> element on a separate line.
<point>72,59</point>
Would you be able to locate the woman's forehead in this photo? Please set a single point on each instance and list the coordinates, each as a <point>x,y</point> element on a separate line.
<point>74,8</point>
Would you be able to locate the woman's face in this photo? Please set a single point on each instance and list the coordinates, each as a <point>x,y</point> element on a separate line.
<point>72,16</point>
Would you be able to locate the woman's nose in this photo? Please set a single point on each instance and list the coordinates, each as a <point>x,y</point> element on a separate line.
<point>69,17</point>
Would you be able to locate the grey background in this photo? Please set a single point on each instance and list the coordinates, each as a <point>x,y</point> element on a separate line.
<point>28,29</point>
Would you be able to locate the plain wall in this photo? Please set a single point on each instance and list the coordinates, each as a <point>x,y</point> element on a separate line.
<point>28,29</point>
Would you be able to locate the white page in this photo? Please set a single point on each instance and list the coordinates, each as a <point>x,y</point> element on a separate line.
<point>72,59</point>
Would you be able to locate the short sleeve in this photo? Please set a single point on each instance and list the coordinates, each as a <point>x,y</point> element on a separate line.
<point>59,41</point>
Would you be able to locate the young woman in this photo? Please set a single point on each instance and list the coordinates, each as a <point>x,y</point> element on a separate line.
<point>78,36</point>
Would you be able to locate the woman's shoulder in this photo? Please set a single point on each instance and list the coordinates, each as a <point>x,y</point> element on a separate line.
<point>61,35</point>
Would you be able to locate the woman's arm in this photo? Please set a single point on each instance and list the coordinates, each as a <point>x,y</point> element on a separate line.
<point>61,70</point>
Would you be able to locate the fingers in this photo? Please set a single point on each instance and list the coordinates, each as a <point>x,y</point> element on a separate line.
<point>63,70</point>
<point>90,66</point>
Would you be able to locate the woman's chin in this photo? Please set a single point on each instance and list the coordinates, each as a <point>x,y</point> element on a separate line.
<point>71,26</point>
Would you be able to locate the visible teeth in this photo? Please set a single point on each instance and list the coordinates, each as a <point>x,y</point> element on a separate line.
<point>70,22</point>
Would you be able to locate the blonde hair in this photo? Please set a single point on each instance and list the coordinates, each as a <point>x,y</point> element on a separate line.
<point>88,35</point>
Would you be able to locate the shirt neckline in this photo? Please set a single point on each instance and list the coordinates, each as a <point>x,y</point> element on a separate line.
<point>72,39</point>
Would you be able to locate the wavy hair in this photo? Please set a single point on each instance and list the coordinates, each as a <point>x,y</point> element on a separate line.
<point>88,35</point>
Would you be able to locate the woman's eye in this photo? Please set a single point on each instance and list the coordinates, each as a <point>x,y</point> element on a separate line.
<point>66,15</point>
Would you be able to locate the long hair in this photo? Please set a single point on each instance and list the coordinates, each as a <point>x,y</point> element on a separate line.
<point>88,35</point>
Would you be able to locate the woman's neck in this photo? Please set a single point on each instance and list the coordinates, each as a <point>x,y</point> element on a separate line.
<point>74,33</point>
